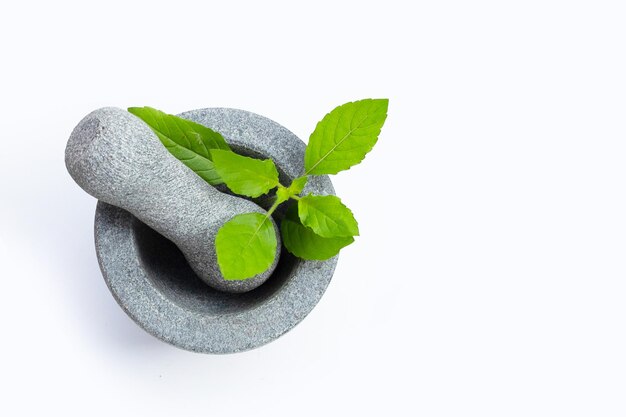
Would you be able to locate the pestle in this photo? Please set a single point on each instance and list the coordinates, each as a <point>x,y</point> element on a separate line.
<point>115,157</point>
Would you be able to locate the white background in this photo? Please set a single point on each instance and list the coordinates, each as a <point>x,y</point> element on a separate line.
<point>490,277</point>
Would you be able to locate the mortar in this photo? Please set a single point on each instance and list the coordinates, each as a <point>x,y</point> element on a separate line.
<point>152,282</point>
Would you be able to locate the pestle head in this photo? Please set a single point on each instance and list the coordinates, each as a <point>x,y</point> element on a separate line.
<point>115,157</point>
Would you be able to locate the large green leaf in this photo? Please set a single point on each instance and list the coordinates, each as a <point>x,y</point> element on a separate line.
<point>327,216</point>
<point>305,243</point>
<point>245,246</point>
<point>188,141</point>
<point>246,176</point>
<point>344,136</point>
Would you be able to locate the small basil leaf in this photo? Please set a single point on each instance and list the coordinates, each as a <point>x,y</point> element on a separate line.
<point>327,216</point>
<point>304,243</point>
<point>246,176</point>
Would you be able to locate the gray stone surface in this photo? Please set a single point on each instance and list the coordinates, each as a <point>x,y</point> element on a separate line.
<point>151,281</point>
<point>116,157</point>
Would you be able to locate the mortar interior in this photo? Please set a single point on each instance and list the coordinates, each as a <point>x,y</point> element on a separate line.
<point>169,272</point>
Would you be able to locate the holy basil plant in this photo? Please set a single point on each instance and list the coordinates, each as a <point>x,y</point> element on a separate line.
<point>316,227</point>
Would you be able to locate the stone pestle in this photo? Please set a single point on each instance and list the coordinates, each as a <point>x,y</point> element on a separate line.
<point>115,157</point>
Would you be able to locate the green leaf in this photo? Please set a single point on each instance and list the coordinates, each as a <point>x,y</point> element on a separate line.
<point>327,216</point>
<point>304,243</point>
<point>188,141</point>
<point>246,176</point>
<point>245,246</point>
<point>282,195</point>
<point>344,136</point>
<point>285,193</point>
<point>297,185</point>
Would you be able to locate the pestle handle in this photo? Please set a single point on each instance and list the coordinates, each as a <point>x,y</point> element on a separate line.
<point>115,157</point>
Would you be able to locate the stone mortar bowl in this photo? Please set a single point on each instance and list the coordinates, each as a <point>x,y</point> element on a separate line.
<point>150,279</point>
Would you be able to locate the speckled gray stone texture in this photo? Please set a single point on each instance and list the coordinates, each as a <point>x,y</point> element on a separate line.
<point>116,157</point>
<point>153,283</point>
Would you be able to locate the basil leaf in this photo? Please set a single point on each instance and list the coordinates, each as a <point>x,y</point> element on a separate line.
<point>285,193</point>
<point>297,186</point>
<point>245,176</point>
<point>188,141</point>
<point>305,243</point>
<point>245,246</point>
<point>344,136</point>
<point>327,216</point>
